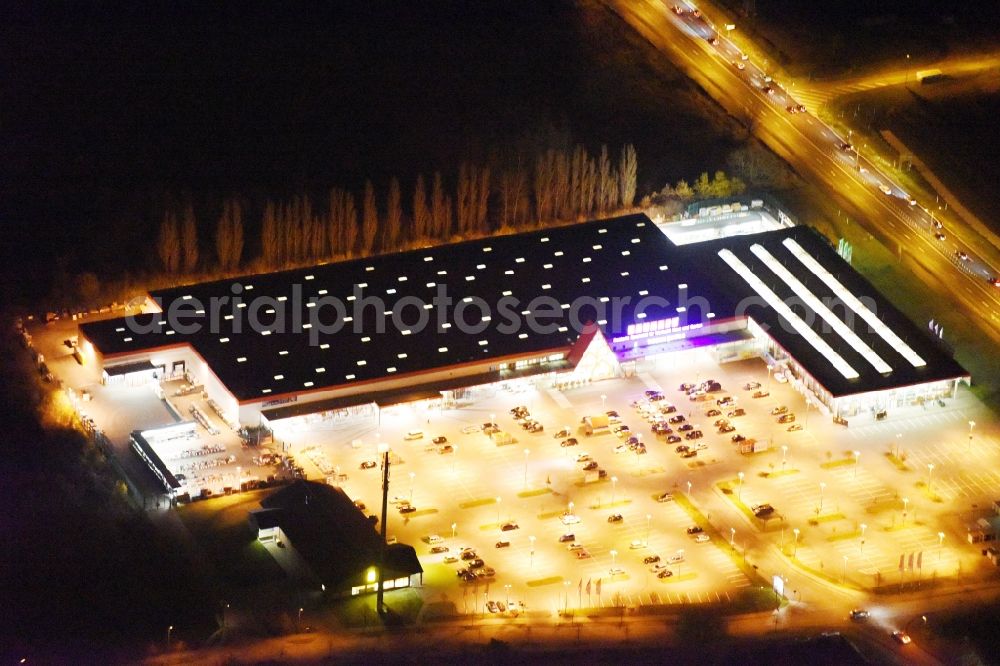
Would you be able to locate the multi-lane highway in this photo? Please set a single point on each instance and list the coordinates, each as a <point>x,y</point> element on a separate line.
<point>962,267</point>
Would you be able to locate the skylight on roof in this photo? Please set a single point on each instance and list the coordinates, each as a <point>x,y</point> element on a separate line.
<point>483,343</point>
<point>624,273</point>
<point>320,371</point>
<point>544,239</point>
<point>248,287</point>
<point>307,384</point>
<point>401,355</point>
<point>265,332</point>
<point>681,308</point>
<point>223,339</point>
<point>507,293</point>
<point>640,224</point>
<point>265,390</point>
<point>307,326</point>
<point>480,266</point>
<point>597,247</point>
<point>602,231</point>
<point>644,292</point>
<point>362,285</point>
<point>546,286</point>
<point>820,308</point>
<point>322,292</point>
<point>586,260</point>
<point>120,329</point>
<point>625,253</point>
<point>349,377</point>
<point>428,258</point>
<point>390,291</point>
<point>325,345</point>
<point>772,299</point>
<point>283,352</point>
<point>170,332</point>
<point>641,315</point>
<point>854,303</point>
<point>563,329</point>
<point>546,265</point>
<point>362,362</point>
<point>522,336</point>
<point>442,349</point>
<point>406,331</point>
<point>470,278</point>
<point>487,249</point>
<point>467,299</point>
<point>635,240</point>
<point>446,325</point>
<point>310,277</point>
<point>401,278</point>
<point>369,269</point>
<point>604,299</point>
<point>278,377</point>
<point>519,260</point>
<point>508,272</point>
<point>186,297</point>
<point>366,339</point>
<point>585,280</point>
<point>663,268</point>
<point>282,299</point>
<point>431,285</point>
<point>350,298</point>
<point>241,359</point>
<point>558,253</point>
<point>390,369</point>
<point>442,272</point>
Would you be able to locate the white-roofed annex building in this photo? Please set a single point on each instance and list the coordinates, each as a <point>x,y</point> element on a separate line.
<point>518,308</point>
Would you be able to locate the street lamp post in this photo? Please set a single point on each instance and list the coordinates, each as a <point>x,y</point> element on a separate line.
<point>507,590</point>
<point>906,500</point>
<point>649,517</point>
<point>784,457</point>
<point>689,488</point>
<point>739,494</point>
<point>940,544</point>
<point>454,457</point>
<point>732,536</point>
<point>857,457</point>
<point>532,553</point>
<point>170,631</point>
<point>383,450</point>
<point>454,526</point>
<point>614,484</point>
<point>863,528</point>
<point>614,555</point>
<point>845,568</point>
<point>498,511</point>
<point>571,508</point>
<point>930,470</point>
<point>822,487</point>
<point>413,475</point>
<point>604,399</point>
<point>972,424</point>
<point>899,436</point>
<point>795,545</point>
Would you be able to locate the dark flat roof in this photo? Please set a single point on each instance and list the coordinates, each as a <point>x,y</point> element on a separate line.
<point>619,258</point>
<point>128,368</point>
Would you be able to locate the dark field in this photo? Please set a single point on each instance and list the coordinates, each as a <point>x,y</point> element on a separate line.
<point>119,115</point>
<point>830,37</point>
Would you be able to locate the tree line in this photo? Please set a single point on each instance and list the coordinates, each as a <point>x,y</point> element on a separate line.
<point>558,186</point>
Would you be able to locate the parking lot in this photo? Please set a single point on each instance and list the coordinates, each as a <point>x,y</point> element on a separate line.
<point>467,494</point>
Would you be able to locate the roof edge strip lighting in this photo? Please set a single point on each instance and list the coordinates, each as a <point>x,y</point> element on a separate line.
<point>818,343</point>
<point>854,303</point>
<point>820,308</point>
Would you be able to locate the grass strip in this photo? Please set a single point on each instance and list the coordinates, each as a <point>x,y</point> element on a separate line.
<point>471,504</point>
<point>540,582</point>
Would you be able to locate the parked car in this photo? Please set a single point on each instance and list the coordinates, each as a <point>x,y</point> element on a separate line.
<point>739,411</point>
<point>676,419</point>
<point>561,433</point>
<point>666,573</point>
<point>569,536</point>
<point>682,448</point>
<point>503,544</point>
<point>702,538</point>
<point>447,448</point>
<point>477,563</point>
<point>727,427</point>
<point>486,572</point>
<point>667,409</point>
<point>407,508</point>
<point>509,527</point>
<point>695,529</point>
<point>901,637</point>
<point>439,549</point>
<point>368,464</point>
<point>761,394</point>
<point>665,497</point>
<point>440,439</point>
<point>694,434</point>
<point>615,518</point>
<point>737,438</point>
<point>572,441</point>
<point>762,510</point>
<point>673,439</point>
<point>583,457</point>
<point>786,418</point>
<point>860,614</point>
<point>750,386</point>
<point>450,559</point>
<point>592,465</point>
<point>468,555</point>
<point>779,410</point>
<point>651,559</point>
<point>713,412</point>
<point>433,538</point>
<point>685,427</point>
<point>570,519</point>
<point>795,427</point>
<point>689,454</point>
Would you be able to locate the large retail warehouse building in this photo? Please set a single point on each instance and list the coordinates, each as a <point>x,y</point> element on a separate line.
<point>437,323</point>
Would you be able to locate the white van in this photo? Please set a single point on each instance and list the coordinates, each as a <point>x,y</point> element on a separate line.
<point>414,434</point>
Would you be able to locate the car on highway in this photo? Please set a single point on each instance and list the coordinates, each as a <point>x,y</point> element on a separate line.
<point>582,554</point>
<point>860,614</point>
<point>503,544</point>
<point>651,559</point>
<point>995,281</point>
<point>439,549</point>
<point>368,464</point>
<point>450,559</point>
<point>658,567</point>
<point>575,546</point>
<point>572,441</point>
<point>885,188</point>
<point>615,518</point>
<point>767,90</point>
<point>779,410</point>
<point>433,538</point>
<point>962,255</point>
<point>901,637</point>
<point>665,497</point>
<point>737,438</point>
<point>569,536</point>
<point>583,457</point>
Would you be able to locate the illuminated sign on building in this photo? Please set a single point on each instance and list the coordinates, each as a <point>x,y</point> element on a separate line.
<point>657,327</point>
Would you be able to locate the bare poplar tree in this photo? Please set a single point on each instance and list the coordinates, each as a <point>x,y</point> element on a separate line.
<point>393,217</point>
<point>168,244</point>
<point>604,183</point>
<point>513,187</point>
<point>440,209</point>
<point>270,237</point>
<point>464,197</point>
<point>421,213</point>
<point>560,187</point>
<point>189,239</point>
<point>369,219</point>
<point>482,202</point>
<point>229,235</point>
<point>545,168</point>
<point>349,227</point>
<point>627,170</point>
